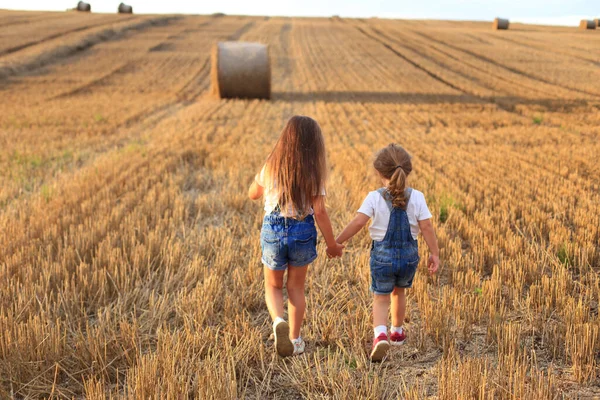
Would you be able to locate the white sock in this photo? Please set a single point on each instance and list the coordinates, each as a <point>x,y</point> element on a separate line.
<point>278,320</point>
<point>378,330</point>
<point>396,329</point>
<point>297,340</point>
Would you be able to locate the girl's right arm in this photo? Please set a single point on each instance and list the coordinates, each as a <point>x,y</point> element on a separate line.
<point>353,227</point>
<point>334,249</point>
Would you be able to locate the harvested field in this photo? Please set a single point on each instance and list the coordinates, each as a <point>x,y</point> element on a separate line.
<point>129,252</point>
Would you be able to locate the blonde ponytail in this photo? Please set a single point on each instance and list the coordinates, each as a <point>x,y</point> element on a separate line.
<point>394,163</point>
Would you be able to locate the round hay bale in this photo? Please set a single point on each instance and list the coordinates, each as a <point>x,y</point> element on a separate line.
<point>241,70</point>
<point>500,23</point>
<point>81,6</point>
<point>125,9</point>
<point>587,24</point>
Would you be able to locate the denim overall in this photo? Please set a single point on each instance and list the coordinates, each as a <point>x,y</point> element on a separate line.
<point>394,260</point>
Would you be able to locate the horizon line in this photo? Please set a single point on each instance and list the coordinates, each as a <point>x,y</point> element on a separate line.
<point>565,21</point>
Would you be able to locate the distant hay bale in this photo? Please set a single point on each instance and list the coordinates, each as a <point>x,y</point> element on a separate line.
<point>241,70</point>
<point>81,6</point>
<point>500,23</point>
<point>597,21</point>
<point>125,9</point>
<point>587,24</point>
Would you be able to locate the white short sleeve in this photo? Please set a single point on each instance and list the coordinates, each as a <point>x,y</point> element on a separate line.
<point>421,210</point>
<point>260,177</point>
<point>368,205</point>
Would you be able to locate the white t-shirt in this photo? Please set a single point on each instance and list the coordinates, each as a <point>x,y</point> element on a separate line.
<point>271,194</point>
<point>376,208</point>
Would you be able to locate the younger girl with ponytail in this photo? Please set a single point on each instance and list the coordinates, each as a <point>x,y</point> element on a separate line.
<point>398,214</point>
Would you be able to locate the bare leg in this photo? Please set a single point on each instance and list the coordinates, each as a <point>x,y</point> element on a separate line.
<point>398,306</point>
<point>381,304</point>
<point>296,298</point>
<point>274,292</point>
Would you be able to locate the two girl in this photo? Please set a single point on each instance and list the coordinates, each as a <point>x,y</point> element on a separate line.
<point>293,184</point>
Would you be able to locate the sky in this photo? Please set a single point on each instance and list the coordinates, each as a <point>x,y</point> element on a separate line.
<point>552,12</point>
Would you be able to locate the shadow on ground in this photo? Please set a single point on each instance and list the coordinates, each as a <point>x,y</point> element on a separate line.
<point>423,98</point>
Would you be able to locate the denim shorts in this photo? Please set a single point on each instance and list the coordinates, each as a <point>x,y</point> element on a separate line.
<point>287,241</point>
<point>392,268</point>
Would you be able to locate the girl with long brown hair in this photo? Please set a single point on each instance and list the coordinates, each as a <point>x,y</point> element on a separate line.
<point>293,184</point>
<point>399,213</point>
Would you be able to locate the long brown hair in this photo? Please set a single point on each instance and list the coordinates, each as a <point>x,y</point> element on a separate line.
<point>297,165</point>
<point>394,163</point>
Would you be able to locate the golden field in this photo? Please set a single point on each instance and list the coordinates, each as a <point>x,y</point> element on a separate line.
<point>129,252</point>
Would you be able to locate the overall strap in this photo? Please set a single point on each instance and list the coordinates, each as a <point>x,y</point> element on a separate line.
<point>386,196</point>
<point>407,193</point>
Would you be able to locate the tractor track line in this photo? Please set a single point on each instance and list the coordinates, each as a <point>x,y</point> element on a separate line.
<point>28,19</point>
<point>57,35</point>
<point>413,63</point>
<point>504,107</point>
<point>94,82</point>
<point>183,93</point>
<point>505,67</point>
<point>238,34</point>
<point>63,51</point>
<point>455,58</point>
<point>541,48</point>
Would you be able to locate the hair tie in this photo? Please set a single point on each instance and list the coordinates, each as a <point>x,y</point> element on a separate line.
<point>398,166</point>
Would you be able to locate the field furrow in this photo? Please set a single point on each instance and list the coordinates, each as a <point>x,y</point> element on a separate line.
<point>33,31</point>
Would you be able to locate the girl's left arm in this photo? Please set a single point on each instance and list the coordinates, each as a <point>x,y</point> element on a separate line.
<point>256,191</point>
<point>353,227</point>
<point>334,249</point>
<point>426,228</point>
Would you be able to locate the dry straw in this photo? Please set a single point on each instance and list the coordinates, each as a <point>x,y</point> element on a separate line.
<point>500,23</point>
<point>587,24</point>
<point>81,6</point>
<point>241,70</point>
<point>125,9</point>
<point>113,271</point>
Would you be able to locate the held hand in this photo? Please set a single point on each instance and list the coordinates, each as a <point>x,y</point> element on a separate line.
<point>433,264</point>
<point>333,252</point>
